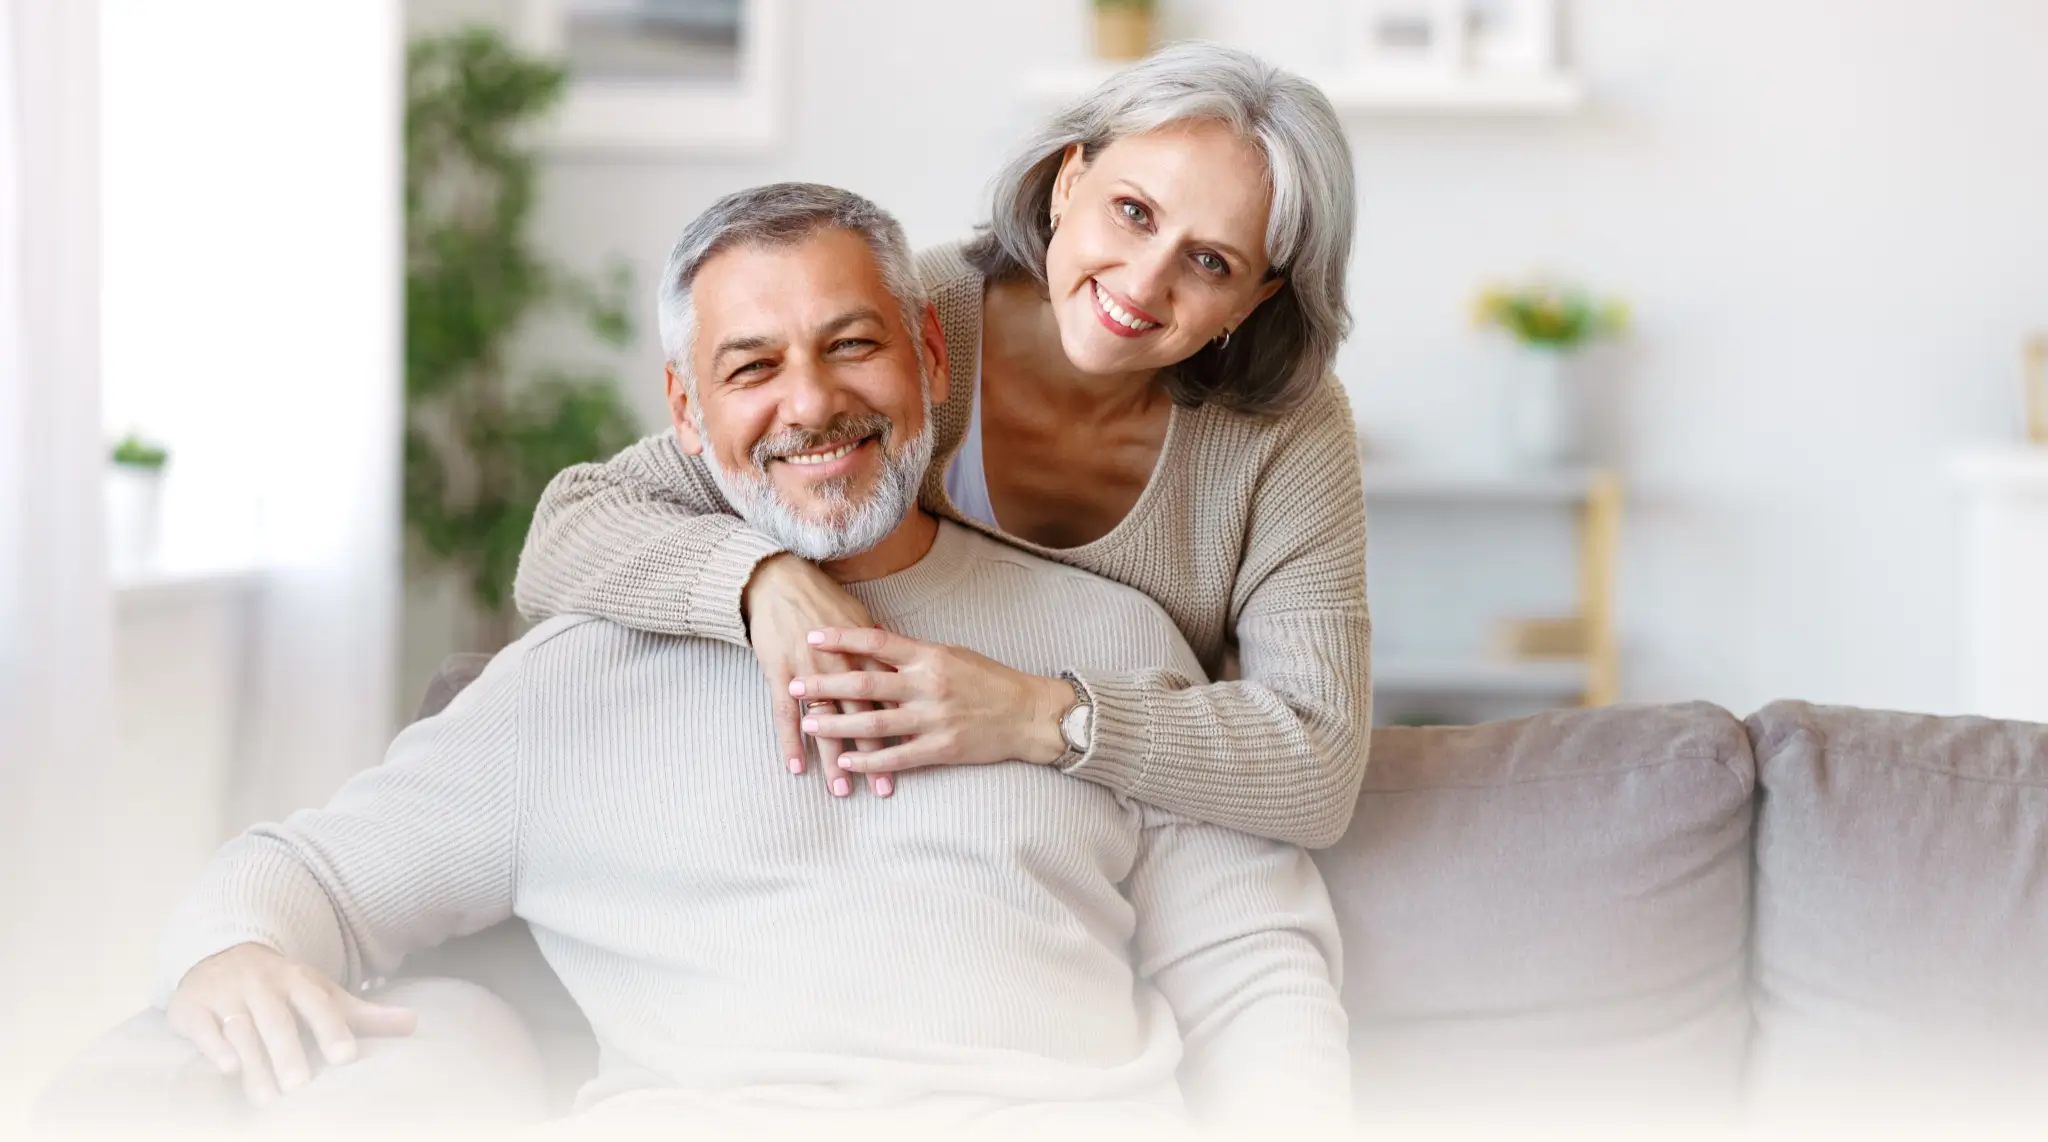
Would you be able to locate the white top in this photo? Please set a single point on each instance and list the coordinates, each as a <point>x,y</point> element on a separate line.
<point>1016,939</point>
<point>967,476</point>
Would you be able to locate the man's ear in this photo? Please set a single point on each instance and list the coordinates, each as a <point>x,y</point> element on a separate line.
<point>679,411</point>
<point>932,343</point>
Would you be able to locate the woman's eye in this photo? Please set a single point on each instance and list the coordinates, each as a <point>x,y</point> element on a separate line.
<point>1212,263</point>
<point>1134,212</point>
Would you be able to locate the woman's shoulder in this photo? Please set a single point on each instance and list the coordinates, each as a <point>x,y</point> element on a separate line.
<point>945,270</point>
<point>1323,414</point>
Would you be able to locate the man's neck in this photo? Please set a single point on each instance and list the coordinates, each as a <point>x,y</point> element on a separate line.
<point>898,551</point>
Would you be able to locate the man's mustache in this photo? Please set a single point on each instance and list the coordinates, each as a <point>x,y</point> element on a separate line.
<point>841,429</point>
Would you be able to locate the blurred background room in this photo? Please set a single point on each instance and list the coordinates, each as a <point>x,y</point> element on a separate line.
<point>1700,352</point>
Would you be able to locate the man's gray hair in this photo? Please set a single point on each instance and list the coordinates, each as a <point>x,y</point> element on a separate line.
<point>780,214</point>
<point>1287,346</point>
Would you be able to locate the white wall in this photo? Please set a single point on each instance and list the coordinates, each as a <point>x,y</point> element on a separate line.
<point>1832,219</point>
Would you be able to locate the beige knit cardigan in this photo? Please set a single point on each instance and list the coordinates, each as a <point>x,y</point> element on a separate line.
<point>1251,531</point>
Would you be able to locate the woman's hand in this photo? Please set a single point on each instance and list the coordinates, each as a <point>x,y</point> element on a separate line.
<point>947,704</point>
<point>786,599</point>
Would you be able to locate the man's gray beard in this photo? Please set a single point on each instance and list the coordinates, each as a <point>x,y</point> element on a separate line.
<point>858,526</point>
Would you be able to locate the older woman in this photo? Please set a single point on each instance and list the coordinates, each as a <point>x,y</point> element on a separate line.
<point>1148,321</point>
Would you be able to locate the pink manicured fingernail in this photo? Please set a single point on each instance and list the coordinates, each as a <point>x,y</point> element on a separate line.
<point>840,788</point>
<point>817,638</point>
<point>884,786</point>
<point>846,760</point>
<point>796,765</point>
<point>796,688</point>
<point>810,725</point>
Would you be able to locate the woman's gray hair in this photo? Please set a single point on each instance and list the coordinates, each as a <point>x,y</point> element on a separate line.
<point>780,214</point>
<point>1286,347</point>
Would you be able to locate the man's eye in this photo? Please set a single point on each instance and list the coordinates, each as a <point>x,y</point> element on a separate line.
<point>845,343</point>
<point>750,367</point>
<point>1135,212</point>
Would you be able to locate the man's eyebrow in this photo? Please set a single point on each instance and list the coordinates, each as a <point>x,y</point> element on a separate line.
<point>1226,247</point>
<point>851,317</point>
<point>741,345</point>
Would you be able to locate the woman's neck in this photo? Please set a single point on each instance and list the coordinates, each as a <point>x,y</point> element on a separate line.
<point>1020,336</point>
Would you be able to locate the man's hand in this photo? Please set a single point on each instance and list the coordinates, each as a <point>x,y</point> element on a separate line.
<point>238,1008</point>
<point>785,600</point>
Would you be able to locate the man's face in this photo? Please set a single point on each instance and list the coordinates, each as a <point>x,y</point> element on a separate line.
<point>812,400</point>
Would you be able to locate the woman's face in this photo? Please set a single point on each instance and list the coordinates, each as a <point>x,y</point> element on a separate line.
<point>1161,246</point>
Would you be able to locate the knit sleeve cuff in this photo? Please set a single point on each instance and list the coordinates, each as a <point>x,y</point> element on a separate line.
<point>713,603</point>
<point>1116,756</point>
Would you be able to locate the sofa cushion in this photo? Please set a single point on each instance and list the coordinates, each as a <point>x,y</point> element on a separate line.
<point>1550,914</point>
<point>1901,911</point>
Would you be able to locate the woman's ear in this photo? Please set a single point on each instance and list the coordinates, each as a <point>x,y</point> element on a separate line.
<point>1072,163</point>
<point>1264,295</point>
<point>679,411</point>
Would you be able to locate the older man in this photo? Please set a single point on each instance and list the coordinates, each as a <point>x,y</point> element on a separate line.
<point>1008,945</point>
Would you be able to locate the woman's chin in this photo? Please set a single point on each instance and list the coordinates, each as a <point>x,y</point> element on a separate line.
<point>1098,352</point>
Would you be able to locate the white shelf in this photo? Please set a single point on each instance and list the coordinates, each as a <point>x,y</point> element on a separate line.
<point>1549,678</point>
<point>1385,481</point>
<point>1537,94</point>
<point>2004,469</point>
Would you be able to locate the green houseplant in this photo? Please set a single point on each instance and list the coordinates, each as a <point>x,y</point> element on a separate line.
<point>1550,323</point>
<point>133,501</point>
<point>485,430</point>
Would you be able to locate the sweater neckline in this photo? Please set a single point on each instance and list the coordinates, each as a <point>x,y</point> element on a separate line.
<point>964,353</point>
<point>923,582</point>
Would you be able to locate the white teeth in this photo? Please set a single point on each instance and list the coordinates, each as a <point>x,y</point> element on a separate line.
<point>1122,315</point>
<point>823,457</point>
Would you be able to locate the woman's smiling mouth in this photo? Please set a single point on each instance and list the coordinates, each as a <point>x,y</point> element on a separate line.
<point>1118,318</point>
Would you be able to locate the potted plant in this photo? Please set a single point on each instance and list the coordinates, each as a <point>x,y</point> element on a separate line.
<point>134,501</point>
<point>1123,28</point>
<point>486,425</point>
<point>1551,323</point>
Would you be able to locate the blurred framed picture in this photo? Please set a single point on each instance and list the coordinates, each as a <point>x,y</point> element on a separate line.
<point>1403,36</point>
<point>664,75</point>
<point>1512,35</point>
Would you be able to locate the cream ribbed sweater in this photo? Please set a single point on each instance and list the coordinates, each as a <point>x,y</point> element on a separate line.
<point>990,936</point>
<point>1251,529</point>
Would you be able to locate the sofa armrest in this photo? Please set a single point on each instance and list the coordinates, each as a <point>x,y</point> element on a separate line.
<point>141,1072</point>
<point>470,1063</point>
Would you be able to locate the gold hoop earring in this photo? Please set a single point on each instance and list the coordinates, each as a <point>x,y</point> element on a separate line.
<point>1055,221</point>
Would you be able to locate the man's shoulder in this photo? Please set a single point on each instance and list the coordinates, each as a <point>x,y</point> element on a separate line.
<point>1030,584</point>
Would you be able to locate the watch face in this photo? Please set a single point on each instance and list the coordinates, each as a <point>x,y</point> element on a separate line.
<point>1075,726</point>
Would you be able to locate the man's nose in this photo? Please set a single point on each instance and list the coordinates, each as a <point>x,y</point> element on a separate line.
<point>809,398</point>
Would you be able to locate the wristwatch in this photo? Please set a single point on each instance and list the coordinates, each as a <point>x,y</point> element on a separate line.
<point>1077,725</point>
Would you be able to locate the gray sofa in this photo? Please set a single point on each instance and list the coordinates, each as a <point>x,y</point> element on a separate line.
<point>1630,916</point>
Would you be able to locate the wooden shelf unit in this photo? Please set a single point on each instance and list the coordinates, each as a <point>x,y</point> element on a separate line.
<point>1595,494</point>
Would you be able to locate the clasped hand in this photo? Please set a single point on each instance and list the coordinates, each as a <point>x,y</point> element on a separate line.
<point>899,702</point>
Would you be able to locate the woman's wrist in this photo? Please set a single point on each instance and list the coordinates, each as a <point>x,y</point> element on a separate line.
<point>1043,742</point>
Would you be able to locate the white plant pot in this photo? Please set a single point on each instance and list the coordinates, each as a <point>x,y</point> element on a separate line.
<point>1542,413</point>
<point>134,503</point>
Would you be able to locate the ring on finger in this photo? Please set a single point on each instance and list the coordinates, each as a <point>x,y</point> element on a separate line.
<point>232,1016</point>
<point>816,704</point>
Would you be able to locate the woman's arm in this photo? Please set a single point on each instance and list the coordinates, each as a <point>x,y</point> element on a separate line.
<point>644,539</point>
<point>1281,753</point>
